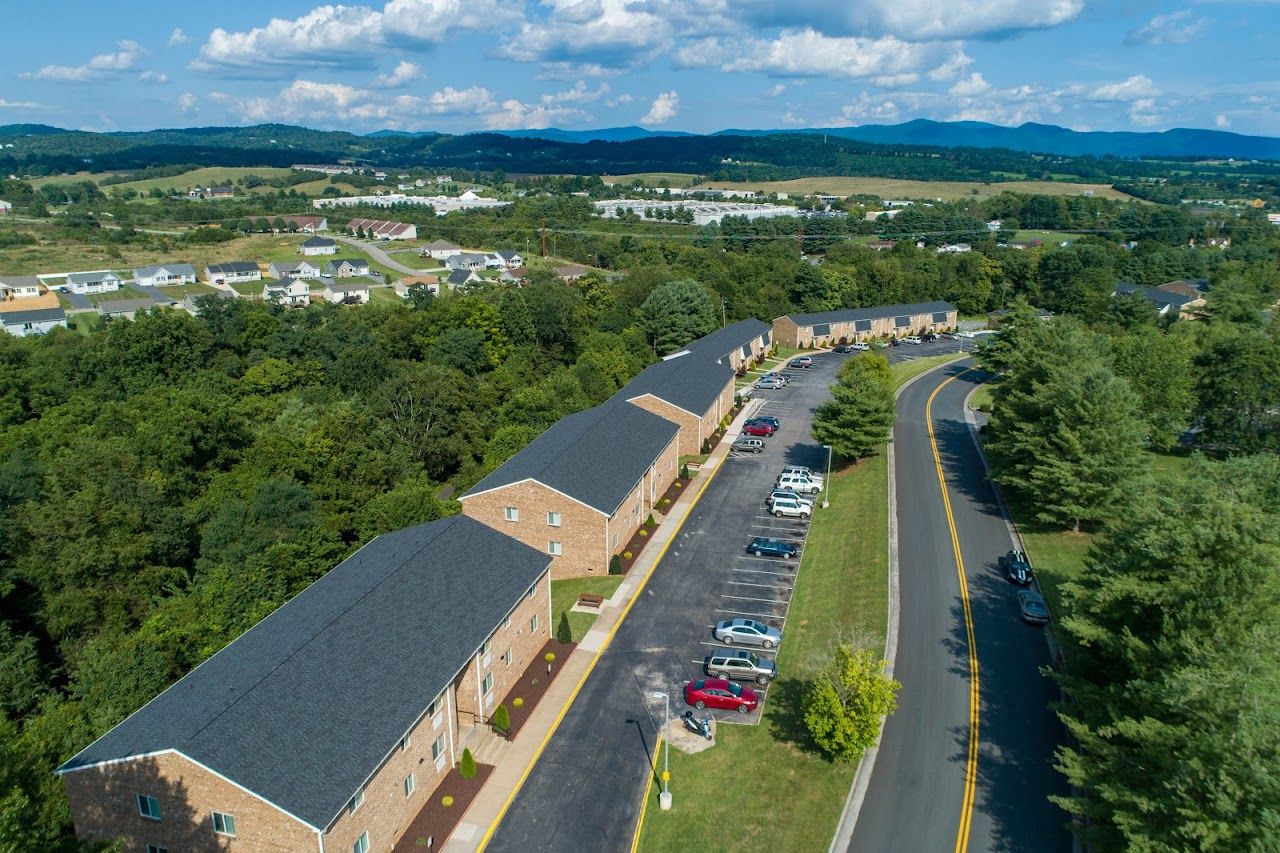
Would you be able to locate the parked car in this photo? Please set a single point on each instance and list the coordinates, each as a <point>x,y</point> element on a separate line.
<point>882,344</point>
<point>747,632</point>
<point>798,483</point>
<point>1032,607</point>
<point>804,472</point>
<point>721,694</point>
<point>766,419</point>
<point>929,337</point>
<point>769,384</point>
<point>859,346</point>
<point>803,361</point>
<point>911,339</point>
<point>949,336</point>
<point>1016,567</point>
<point>843,348</point>
<point>740,665</point>
<point>765,546</point>
<point>747,445</point>
<point>757,429</point>
<point>786,493</point>
<point>895,342</point>
<point>791,508</point>
<point>781,377</point>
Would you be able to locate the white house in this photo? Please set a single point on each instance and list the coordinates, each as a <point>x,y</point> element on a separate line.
<point>20,324</point>
<point>346,267</point>
<point>494,261</point>
<point>19,287</point>
<point>318,246</point>
<point>293,269</point>
<point>164,275</point>
<point>511,260</point>
<point>348,292</point>
<point>289,291</point>
<point>441,250</point>
<point>461,278</point>
<point>232,272</point>
<point>5,207</point>
<point>93,282</point>
<point>954,248</point>
<point>466,261</point>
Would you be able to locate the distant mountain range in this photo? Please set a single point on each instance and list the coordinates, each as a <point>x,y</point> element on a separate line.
<point>1030,137</point>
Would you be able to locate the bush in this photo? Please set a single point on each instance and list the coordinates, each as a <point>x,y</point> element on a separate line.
<point>517,702</point>
<point>666,502</point>
<point>467,766</point>
<point>615,564</point>
<point>649,522</point>
<point>502,718</point>
<point>684,471</point>
<point>446,801</point>
<point>549,657</point>
<point>843,707</point>
<point>642,532</point>
<point>563,632</point>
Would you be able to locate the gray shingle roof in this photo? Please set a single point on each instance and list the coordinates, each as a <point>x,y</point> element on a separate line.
<point>691,381</point>
<point>457,278</point>
<point>233,267</point>
<point>122,306</point>
<point>845,315</point>
<point>1164,298</point>
<point>35,315</point>
<point>304,706</point>
<point>594,456</point>
<point>318,242</point>
<point>721,342</point>
<point>91,277</point>
<point>19,280</point>
<point>173,269</point>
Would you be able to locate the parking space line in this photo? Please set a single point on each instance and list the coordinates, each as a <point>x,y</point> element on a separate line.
<point>762,585</point>
<point>744,598</point>
<point>751,615</point>
<point>765,559</point>
<point>767,572</point>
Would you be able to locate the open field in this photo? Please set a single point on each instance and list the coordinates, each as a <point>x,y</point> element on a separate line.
<point>894,188</point>
<point>652,179</point>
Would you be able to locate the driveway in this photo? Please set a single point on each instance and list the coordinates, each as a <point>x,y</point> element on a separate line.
<point>375,252</point>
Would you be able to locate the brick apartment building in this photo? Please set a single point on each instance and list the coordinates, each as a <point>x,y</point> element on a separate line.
<point>859,324</point>
<point>327,725</point>
<point>690,390</point>
<point>579,491</point>
<point>743,343</point>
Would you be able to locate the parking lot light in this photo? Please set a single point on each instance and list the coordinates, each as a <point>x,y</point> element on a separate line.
<point>826,484</point>
<point>664,799</point>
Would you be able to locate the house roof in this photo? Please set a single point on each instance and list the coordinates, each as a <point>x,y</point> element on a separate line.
<point>304,221</point>
<point>355,262</point>
<point>318,242</point>
<point>286,267</point>
<point>1161,298</point>
<point>507,254</point>
<point>302,708</point>
<point>468,257</point>
<point>124,306</point>
<point>233,267</point>
<point>35,315</point>
<point>173,269</point>
<point>459,277</point>
<point>594,456</point>
<point>19,281</point>
<point>845,315</point>
<point>442,244</point>
<point>690,380</point>
<point>722,342</point>
<point>90,277</point>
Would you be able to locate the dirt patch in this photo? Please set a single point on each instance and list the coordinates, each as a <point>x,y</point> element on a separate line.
<point>434,824</point>
<point>534,683</point>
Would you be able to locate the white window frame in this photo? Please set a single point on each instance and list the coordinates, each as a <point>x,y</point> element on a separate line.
<point>146,803</point>
<point>228,822</point>
<point>156,848</point>
<point>486,685</point>
<point>533,624</point>
<point>555,548</point>
<point>511,513</point>
<point>408,786</point>
<point>362,843</point>
<point>553,519</point>
<point>438,747</point>
<point>356,801</point>
<point>506,657</point>
<point>404,743</point>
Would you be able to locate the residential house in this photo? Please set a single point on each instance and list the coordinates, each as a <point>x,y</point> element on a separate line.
<point>307,224</point>
<point>1165,302</point>
<point>381,229</point>
<point>346,267</point>
<point>232,272</point>
<point>441,249</point>
<point>517,276</point>
<point>288,291</point>
<point>21,324</point>
<point>157,276</point>
<point>954,248</point>
<point>581,490</point>
<point>466,261</point>
<point>5,207</point>
<point>331,723</point>
<point>461,278</point>
<point>19,287</point>
<point>192,302</point>
<point>494,261</point>
<point>346,293</point>
<point>825,328</point>
<point>408,282</point>
<point>691,388</point>
<point>511,259</point>
<point>742,344</point>
<point>125,308</point>
<point>571,272</point>
<point>293,269</point>
<point>85,283</point>
<point>318,246</point>
<point>1195,288</point>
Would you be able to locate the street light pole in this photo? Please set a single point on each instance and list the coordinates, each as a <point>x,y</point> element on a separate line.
<point>664,799</point>
<point>826,484</point>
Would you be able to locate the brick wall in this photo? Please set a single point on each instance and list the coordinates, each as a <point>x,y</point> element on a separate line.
<point>104,805</point>
<point>791,335</point>
<point>692,428</point>
<point>581,533</point>
<point>786,332</point>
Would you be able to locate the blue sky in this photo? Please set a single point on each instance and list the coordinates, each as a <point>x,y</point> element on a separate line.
<point>695,65</point>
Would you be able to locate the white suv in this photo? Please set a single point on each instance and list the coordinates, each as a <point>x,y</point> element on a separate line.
<point>792,508</point>
<point>803,472</point>
<point>799,483</point>
<point>912,339</point>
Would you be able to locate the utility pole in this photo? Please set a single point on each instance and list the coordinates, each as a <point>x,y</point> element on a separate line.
<point>544,238</point>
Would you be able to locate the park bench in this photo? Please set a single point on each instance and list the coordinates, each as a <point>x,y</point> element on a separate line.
<point>590,599</point>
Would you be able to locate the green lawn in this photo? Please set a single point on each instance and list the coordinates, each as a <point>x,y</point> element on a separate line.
<point>178,291</point>
<point>384,294</point>
<point>564,594</point>
<point>83,322</point>
<point>126,291</point>
<point>249,288</point>
<point>905,371</point>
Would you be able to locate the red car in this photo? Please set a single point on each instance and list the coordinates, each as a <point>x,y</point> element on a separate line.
<point>718,693</point>
<point>759,429</point>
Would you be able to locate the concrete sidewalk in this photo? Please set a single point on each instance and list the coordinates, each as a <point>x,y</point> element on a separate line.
<point>514,760</point>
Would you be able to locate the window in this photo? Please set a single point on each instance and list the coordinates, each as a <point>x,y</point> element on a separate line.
<point>485,646</point>
<point>362,843</point>
<point>615,540</point>
<point>506,620</point>
<point>533,623</point>
<point>434,707</point>
<point>486,686</point>
<point>356,800</point>
<point>148,807</point>
<point>408,785</point>
<point>404,743</point>
<point>506,657</point>
<point>553,519</point>
<point>156,848</point>
<point>513,513</point>
<point>437,747</point>
<point>224,824</point>
<point>553,548</point>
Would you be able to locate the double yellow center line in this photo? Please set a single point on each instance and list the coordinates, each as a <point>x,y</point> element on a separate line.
<point>971,764</point>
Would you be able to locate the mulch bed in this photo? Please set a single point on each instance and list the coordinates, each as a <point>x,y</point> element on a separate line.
<point>534,683</point>
<point>635,548</point>
<point>436,821</point>
<point>673,493</point>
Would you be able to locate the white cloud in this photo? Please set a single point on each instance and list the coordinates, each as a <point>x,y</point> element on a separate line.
<point>19,105</point>
<point>866,109</point>
<point>333,103</point>
<point>578,94</point>
<point>951,69</point>
<point>663,109</point>
<point>1143,112</point>
<point>808,53</point>
<point>335,36</point>
<point>970,86</point>
<point>1221,122</point>
<point>100,67</point>
<point>1172,28</point>
<point>187,102</point>
<point>177,37</point>
<point>792,119</point>
<point>403,74</point>
<point>515,115</point>
<point>913,19</point>
<point>432,21</point>
<point>603,35</point>
<point>1136,87</point>
<point>895,81</point>
<point>776,90</point>
<point>153,77</point>
<point>619,100</point>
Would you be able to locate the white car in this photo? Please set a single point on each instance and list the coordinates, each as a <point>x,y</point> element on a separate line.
<point>860,346</point>
<point>792,508</point>
<point>804,472</point>
<point>912,339</point>
<point>786,494</point>
<point>798,483</point>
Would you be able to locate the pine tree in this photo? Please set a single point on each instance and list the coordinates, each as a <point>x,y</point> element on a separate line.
<point>858,417</point>
<point>564,633</point>
<point>467,766</point>
<point>676,313</point>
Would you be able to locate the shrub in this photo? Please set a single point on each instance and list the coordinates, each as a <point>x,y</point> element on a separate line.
<point>649,522</point>
<point>626,555</point>
<point>642,532</point>
<point>502,718</point>
<point>517,702</point>
<point>446,801</point>
<point>467,766</point>
<point>706,445</point>
<point>549,657</point>
<point>563,632</point>
<point>667,501</point>
<point>615,564</point>
<point>684,472</point>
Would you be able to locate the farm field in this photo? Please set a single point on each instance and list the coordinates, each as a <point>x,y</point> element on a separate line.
<point>895,188</point>
<point>652,179</point>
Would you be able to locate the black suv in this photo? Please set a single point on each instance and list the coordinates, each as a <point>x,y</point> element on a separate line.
<point>1016,567</point>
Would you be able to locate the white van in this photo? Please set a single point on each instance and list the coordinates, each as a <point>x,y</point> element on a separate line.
<point>799,483</point>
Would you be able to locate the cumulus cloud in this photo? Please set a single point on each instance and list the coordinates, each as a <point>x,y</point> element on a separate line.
<point>1221,122</point>
<point>177,37</point>
<point>403,74</point>
<point>602,35</point>
<point>1136,87</point>
<point>319,102</point>
<point>516,115</point>
<point>1143,112</point>
<point>913,19</point>
<point>432,21</point>
<point>19,105</point>
<point>866,109</point>
<point>153,77</point>
<point>663,109</point>
<point>971,86</point>
<point>187,102</point>
<point>100,67</point>
<point>1171,28</point>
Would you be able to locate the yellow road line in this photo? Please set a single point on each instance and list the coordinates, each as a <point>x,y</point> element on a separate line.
<point>488,835</point>
<point>648,789</point>
<point>971,763</point>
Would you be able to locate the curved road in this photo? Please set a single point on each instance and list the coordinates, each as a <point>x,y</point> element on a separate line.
<point>917,790</point>
<point>378,255</point>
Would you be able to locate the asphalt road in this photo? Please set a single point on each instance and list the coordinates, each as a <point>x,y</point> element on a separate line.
<point>585,791</point>
<point>374,251</point>
<point>916,791</point>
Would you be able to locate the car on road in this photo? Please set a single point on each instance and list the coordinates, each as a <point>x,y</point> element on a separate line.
<point>765,419</point>
<point>765,546</point>
<point>757,429</point>
<point>1016,567</point>
<point>747,632</point>
<point>720,694</point>
<point>740,665</point>
<point>747,445</point>
<point>786,493</point>
<point>802,362</point>
<point>804,472</point>
<point>911,339</point>
<point>798,483</point>
<point>1032,607</point>
<point>769,384</point>
<point>791,508</point>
